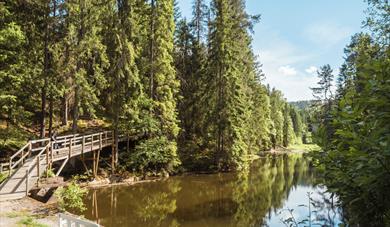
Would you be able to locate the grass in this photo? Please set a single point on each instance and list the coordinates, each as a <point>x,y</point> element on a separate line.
<point>29,221</point>
<point>304,147</point>
<point>3,176</point>
<point>15,214</point>
<point>26,220</point>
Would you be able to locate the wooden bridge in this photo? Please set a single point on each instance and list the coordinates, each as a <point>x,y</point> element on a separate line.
<point>32,161</point>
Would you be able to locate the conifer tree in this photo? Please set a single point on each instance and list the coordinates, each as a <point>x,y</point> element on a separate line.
<point>227,83</point>
<point>125,90</point>
<point>12,39</point>
<point>86,56</point>
<point>277,118</point>
<point>161,124</point>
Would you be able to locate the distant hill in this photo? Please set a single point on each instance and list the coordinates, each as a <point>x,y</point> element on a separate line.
<point>302,104</point>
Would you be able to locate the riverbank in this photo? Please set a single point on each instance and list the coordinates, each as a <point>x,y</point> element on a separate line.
<point>29,211</point>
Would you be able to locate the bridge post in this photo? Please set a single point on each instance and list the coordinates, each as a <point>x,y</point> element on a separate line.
<point>10,167</point>
<point>22,157</point>
<point>47,155</point>
<point>91,143</point>
<point>83,147</point>
<point>100,141</point>
<point>70,147</point>
<point>105,138</point>
<point>38,170</point>
<point>51,154</point>
<point>27,179</point>
<point>94,164</point>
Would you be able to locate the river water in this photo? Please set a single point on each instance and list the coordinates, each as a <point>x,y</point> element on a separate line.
<point>274,191</point>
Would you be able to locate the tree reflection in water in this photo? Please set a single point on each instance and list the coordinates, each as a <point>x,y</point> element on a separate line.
<point>253,197</point>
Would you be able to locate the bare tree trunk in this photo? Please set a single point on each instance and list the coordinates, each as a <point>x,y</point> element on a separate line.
<point>75,110</point>
<point>65,110</point>
<point>43,111</point>
<point>51,116</point>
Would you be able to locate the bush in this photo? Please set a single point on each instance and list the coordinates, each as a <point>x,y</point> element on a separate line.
<point>155,154</point>
<point>71,197</point>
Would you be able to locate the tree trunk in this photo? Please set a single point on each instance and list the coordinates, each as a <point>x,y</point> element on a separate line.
<point>65,110</point>
<point>43,111</point>
<point>75,109</point>
<point>51,116</point>
<point>45,73</point>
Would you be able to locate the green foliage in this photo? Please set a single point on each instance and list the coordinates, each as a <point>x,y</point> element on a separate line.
<point>49,173</point>
<point>355,157</point>
<point>154,155</point>
<point>71,197</point>
<point>192,95</point>
<point>3,176</point>
<point>30,222</point>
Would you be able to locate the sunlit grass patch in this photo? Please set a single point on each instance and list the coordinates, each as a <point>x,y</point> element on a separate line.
<point>15,214</point>
<point>30,222</point>
<point>304,147</point>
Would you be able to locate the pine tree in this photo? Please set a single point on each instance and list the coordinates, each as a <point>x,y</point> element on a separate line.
<point>227,83</point>
<point>288,128</point>
<point>12,40</point>
<point>277,118</point>
<point>86,56</point>
<point>125,91</point>
<point>161,124</point>
<point>323,95</point>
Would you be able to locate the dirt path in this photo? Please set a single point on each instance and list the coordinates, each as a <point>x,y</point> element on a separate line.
<point>27,212</point>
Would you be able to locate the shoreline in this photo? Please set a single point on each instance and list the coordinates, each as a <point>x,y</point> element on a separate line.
<point>13,212</point>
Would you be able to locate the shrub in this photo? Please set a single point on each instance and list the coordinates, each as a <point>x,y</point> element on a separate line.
<point>71,197</point>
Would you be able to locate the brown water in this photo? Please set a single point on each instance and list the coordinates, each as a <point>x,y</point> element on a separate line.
<point>259,196</point>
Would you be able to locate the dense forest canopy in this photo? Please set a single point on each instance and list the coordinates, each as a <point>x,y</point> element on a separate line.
<point>187,92</point>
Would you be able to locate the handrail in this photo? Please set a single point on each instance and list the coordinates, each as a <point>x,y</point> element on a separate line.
<point>20,150</point>
<point>68,141</point>
<point>28,145</point>
<point>38,158</point>
<point>40,140</point>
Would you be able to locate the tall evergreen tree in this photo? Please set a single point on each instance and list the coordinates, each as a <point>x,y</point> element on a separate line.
<point>86,56</point>
<point>159,150</point>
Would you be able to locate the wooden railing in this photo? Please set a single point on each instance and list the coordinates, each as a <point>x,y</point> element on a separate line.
<point>69,143</point>
<point>37,162</point>
<point>24,152</point>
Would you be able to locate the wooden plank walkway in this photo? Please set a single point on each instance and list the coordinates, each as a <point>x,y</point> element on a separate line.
<point>27,165</point>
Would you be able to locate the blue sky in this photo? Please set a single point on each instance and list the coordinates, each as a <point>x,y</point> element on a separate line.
<point>295,37</point>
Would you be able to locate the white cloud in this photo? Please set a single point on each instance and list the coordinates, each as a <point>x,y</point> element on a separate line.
<point>311,70</point>
<point>287,70</point>
<point>327,34</point>
<point>277,52</point>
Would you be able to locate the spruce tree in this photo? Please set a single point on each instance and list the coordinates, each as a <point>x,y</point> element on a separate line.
<point>86,56</point>
<point>159,109</point>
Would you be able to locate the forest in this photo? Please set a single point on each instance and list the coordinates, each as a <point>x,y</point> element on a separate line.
<point>186,92</point>
<point>190,92</point>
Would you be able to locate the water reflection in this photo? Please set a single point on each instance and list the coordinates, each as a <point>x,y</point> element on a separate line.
<point>255,197</point>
